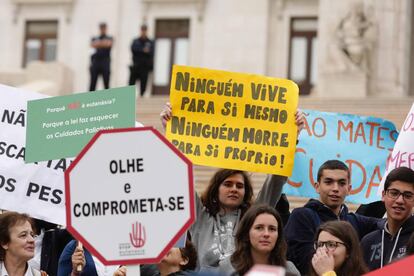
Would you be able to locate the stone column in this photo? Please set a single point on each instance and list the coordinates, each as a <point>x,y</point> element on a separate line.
<point>346,37</point>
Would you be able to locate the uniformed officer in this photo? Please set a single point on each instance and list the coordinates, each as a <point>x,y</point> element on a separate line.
<point>101,59</point>
<point>142,49</point>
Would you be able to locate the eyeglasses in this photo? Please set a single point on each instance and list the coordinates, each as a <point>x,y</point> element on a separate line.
<point>395,194</point>
<point>330,245</point>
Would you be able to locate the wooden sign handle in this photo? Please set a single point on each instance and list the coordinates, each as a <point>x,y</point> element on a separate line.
<point>133,270</point>
<point>79,267</point>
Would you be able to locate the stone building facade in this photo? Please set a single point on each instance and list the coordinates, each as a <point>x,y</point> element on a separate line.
<point>331,48</point>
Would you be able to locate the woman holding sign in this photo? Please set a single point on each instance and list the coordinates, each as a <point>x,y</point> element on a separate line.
<point>224,202</point>
<point>259,240</point>
<point>76,260</point>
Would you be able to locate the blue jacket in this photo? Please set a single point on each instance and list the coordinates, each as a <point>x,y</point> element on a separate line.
<point>304,222</point>
<point>65,261</point>
<point>381,247</point>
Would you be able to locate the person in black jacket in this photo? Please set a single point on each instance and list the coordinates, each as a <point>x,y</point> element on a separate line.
<point>142,49</point>
<point>410,245</point>
<point>389,243</point>
<point>333,185</point>
<point>51,241</point>
<point>101,59</point>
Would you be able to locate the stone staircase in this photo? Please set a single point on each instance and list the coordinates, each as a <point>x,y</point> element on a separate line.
<point>394,110</point>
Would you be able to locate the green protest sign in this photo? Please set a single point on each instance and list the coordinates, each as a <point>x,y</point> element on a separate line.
<point>60,127</point>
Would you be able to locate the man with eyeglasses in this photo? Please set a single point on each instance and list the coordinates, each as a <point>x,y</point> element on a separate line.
<point>333,185</point>
<point>390,242</point>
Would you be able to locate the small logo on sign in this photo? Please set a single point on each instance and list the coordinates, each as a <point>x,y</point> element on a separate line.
<point>137,236</point>
<point>74,105</point>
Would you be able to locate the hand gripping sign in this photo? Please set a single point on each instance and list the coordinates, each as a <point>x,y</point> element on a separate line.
<point>129,196</point>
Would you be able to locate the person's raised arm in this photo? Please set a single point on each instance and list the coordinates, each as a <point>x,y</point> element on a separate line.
<point>271,190</point>
<point>299,121</point>
<point>166,114</point>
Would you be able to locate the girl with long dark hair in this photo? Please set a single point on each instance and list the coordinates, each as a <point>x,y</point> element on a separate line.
<point>337,251</point>
<point>259,240</point>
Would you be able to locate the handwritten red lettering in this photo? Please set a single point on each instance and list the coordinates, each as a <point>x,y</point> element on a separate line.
<point>371,184</point>
<point>360,132</point>
<point>400,159</point>
<point>323,125</point>
<point>351,166</point>
<point>349,127</point>
<point>408,124</point>
<point>379,137</point>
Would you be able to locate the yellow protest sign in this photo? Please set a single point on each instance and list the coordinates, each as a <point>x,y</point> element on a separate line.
<point>234,120</point>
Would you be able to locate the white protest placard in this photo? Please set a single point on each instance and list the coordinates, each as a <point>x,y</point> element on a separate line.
<point>403,152</point>
<point>37,188</point>
<point>129,195</point>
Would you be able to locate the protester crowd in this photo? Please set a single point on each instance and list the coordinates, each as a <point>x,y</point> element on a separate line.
<point>232,233</point>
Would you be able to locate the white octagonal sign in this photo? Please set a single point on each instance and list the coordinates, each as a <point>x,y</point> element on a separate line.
<point>129,196</point>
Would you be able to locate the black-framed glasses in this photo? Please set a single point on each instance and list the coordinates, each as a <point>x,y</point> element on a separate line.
<point>395,194</point>
<point>330,245</point>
